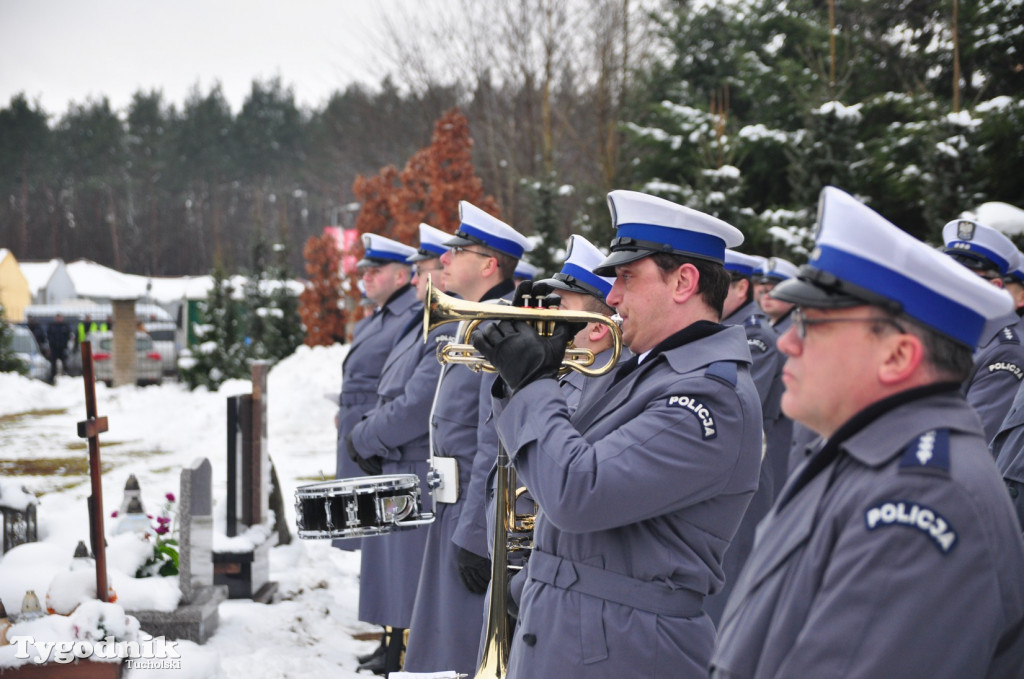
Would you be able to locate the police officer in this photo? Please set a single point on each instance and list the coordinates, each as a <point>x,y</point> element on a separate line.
<point>385,274</point>
<point>893,552</point>
<point>999,360</point>
<point>580,289</point>
<point>392,438</point>
<point>766,370</point>
<point>766,277</point>
<point>449,609</point>
<point>642,488</point>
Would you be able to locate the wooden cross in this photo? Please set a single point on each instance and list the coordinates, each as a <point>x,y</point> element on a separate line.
<point>91,429</point>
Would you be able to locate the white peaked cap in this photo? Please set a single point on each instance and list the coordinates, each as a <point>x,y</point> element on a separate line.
<point>431,243</point>
<point>861,258</point>
<point>646,224</point>
<point>577,274</point>
<point>979,242</point>
<point>743,264</point>
<point>379,250</point>
<point>485,229</point>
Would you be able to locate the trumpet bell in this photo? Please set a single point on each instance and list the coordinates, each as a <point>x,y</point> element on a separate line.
<point>439,308</point>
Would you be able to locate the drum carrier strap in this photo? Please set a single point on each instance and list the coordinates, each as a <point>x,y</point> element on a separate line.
<point>653,597</point>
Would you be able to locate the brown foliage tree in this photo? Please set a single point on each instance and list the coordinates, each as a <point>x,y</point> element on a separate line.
<point>319,303</point>
<point>428,189</point>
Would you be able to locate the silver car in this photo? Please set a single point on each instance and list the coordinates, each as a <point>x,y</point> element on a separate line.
<point>27,349</point>
<point>165,339</point>
<point>148,362</point>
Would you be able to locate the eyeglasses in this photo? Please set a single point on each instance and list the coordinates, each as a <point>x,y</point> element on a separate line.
<point>420,271</point>
<point>801,322</point>
<point>456,249</point>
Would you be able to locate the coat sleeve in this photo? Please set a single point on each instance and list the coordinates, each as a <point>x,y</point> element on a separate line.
<point>659,456</point>
<point>471,532</point>
<point>888,576</point>
<point>384,429</point>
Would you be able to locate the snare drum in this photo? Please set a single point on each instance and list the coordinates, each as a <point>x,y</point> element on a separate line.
<point>356,507</point>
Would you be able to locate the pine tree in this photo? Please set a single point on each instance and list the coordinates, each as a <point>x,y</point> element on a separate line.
<point>8,361</point>
<point>220,352</point>
<point>320,304</point>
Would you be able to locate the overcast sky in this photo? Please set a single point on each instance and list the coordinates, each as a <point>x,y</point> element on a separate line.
<point>61,51</point>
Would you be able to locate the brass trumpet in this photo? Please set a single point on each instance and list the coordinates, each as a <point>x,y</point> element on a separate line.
<point>440,308</point>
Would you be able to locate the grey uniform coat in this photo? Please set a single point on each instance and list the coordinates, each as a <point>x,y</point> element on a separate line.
<point>447,617</point>
<point>900,558</point>
<point>397,430</point>
<point>1008,449</point>
<point>767,374</point>
<point>640,493</point>
<point>574,384</point>
<point>992,384</point>
<point>360,371</point>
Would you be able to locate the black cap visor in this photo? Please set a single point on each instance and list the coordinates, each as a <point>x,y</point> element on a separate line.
<point>618,258</point>
<point>569,284</point>
<point>816,289</point>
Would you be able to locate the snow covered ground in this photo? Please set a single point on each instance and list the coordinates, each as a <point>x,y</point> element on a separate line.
<point>153,433</point>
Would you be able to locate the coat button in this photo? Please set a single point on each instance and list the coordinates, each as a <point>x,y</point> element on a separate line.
<point>530,639</point>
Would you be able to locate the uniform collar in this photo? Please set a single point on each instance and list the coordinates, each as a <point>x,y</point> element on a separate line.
<point>740,316</point>
<point>506,287</point>
<point>877,445</point>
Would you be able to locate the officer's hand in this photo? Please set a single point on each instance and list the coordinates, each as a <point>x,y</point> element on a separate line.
<point>350,448</point>
<point>373,465</point>
<point>474,570</point>
<point>520,354</point>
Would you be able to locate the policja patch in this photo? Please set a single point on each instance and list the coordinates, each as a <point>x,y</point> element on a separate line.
<point>707,421</point>
<point>912,515</point>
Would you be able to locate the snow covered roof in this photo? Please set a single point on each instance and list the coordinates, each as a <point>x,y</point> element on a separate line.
<point>38,274</point>
<point>100,282</point>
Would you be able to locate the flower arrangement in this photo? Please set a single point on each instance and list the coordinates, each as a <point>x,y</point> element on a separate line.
<point>164,559</point>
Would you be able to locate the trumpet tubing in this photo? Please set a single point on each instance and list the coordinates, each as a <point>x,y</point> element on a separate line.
<point>439,308</point>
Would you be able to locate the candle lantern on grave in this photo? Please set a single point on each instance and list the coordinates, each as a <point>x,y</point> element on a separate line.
<point>18,507</point>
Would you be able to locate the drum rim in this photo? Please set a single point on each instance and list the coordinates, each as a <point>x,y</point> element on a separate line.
<point>385,481</point>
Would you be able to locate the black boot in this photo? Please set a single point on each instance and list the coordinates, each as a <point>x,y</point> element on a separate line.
<point>377,652</point>
<point>396,647</point>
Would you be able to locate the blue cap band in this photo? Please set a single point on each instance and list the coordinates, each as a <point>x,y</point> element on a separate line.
<point>505,245</point>
<point>919,301</point>
<point>680,240</point>
<point>385,255</point>
<point>959,246</point>
<point>588,277</point>
<point>432,249</point>
<point>739,268</point>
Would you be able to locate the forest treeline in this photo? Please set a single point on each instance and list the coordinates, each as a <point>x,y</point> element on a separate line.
<point>744,109</point>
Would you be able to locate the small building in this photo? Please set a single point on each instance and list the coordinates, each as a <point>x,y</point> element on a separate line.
<point>49,282</point>
<point>15,295</point>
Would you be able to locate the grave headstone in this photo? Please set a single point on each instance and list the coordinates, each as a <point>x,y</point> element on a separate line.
<point>196,617</point>
<point>246,571</point>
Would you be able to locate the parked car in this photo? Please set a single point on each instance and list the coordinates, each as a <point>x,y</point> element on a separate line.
<point>165,339</point>
<point>27,349</point>
<point>148,362</point>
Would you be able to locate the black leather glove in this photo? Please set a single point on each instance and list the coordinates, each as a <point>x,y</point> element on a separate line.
<point>372,465</point>
<point>474,570</point>
<point>520,354</point>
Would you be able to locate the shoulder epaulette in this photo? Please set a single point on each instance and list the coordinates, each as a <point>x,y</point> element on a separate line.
<point>929,452</point>
<point>1008,336</point>
<point>724,371</point>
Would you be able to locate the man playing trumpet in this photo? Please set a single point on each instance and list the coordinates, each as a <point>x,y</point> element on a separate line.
<point>643,486</point>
